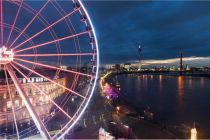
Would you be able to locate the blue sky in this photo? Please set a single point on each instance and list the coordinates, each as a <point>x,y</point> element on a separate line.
<point>162,28</point>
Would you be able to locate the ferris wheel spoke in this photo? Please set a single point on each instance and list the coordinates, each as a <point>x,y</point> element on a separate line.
<point>42,92</point>
<point>52,41</point>
<point>52,67</point>
<point>56,54</point>
<point>66,125</point>
<point>48,27</point>
<point>13,25</point>
<point>13,108</point>
<point>30,22</point>
<point>62,86</point>
<point>39,124</point>
<point>2,28</point>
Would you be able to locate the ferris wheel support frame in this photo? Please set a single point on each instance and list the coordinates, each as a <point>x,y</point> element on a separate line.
<point>40,126</point>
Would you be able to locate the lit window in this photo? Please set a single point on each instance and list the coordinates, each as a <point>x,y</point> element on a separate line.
<point>16,104</point>
<point>23,103</point>
<point>9,104</point>
<point>32,80</point>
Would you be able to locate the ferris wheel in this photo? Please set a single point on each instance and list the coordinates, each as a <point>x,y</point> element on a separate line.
<point>49,65</point>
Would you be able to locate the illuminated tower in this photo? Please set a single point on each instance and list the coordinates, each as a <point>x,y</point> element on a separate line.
<point>139,53</point>
<point>180,65</point>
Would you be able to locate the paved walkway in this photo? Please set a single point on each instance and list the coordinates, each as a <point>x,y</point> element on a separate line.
<point>101,107</point>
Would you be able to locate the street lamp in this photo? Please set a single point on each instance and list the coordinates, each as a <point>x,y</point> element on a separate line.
<point>118,108</point>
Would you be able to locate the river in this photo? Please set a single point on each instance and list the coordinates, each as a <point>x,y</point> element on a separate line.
<point>175,100</point>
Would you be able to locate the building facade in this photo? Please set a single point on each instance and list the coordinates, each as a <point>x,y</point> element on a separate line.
<point>40,102</point>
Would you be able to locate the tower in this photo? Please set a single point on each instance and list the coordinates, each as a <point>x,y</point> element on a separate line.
<point>139,53</point>
<point>180,64</point>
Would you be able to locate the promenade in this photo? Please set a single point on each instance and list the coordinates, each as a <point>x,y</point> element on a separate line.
<point>101,113</point>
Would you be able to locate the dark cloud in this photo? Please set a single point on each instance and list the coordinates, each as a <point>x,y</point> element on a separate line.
<point>162,28</point>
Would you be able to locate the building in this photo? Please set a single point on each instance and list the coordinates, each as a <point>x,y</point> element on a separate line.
<point>173,68</point>
<point>187,68</point>
<point>63,67</point>
<point>38,100</point>
<point>127,66</point>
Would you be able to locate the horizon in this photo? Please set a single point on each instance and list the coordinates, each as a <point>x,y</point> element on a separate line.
<point>192,61</point>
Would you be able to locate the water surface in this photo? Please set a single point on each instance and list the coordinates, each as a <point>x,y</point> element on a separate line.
<point>176,100</point>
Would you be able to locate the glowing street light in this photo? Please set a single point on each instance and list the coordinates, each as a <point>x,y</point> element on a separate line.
<point>118,108</point>
<point>193,134</point>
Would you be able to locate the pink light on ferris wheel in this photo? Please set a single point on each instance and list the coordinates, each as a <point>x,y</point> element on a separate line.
<point>6,56</point>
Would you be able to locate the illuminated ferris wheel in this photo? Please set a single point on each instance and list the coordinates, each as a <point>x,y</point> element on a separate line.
<point>49,66</point>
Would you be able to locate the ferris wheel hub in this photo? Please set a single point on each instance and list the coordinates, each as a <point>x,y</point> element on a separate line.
<point>6,56</point>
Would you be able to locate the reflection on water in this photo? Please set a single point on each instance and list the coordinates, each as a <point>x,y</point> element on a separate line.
<point>180,89</point>
<point>180,85</point>
<point>202,82</point>
<point>174,99</point>
<point>190,81</point>
<point>160,82</point>
<point>138,83</point>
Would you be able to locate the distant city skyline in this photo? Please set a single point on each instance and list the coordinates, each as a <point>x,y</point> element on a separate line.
<point>162,28</point>
<point>191,61</point>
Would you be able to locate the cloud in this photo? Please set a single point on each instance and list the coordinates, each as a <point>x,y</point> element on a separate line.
<point>162,28</point>
<point>192,61</point>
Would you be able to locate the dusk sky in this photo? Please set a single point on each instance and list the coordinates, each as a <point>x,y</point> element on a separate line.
<point>162,28</point>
